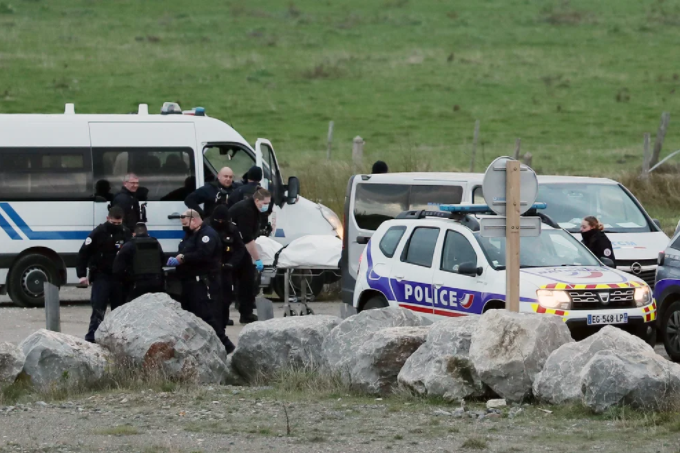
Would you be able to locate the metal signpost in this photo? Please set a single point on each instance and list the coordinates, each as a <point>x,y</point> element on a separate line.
<point>510,189</point>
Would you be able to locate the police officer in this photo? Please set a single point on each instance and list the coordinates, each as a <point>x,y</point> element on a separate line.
<point>128,200</point>
<point>592,232</point>
<point>199,264</point>
<point>233,251</point>
<point>139,265</point>
<point>212,193</point>
<point>97,254</point>
<point>246,216</point>
<point>251,182</point>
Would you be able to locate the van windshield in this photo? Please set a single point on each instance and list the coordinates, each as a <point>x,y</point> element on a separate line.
<point>569,203</point>
<point>553,248</point>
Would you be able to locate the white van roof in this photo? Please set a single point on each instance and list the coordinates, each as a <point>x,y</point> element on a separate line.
<point>477,178</point>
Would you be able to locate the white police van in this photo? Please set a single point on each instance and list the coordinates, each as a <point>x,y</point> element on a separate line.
<point>373,199</point>
<point>439,267</point>
<point>59,172</point>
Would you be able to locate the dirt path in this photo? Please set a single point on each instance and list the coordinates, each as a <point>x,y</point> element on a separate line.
<point>216,419</point>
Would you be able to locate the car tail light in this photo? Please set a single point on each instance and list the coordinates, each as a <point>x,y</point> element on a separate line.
<point>660,260</point>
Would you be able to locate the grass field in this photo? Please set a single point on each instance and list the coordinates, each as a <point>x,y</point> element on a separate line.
<point>579,81</point>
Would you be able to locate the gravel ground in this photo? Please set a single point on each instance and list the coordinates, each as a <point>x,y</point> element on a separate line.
<point>217,419</point>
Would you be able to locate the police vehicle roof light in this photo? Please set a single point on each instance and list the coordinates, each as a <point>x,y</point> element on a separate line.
<point>143,109</point>
<point>199,111</point>
<point>171,108</point>
<point>479,208</point>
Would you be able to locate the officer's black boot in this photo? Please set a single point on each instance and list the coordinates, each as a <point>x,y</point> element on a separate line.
<point>248,318</point>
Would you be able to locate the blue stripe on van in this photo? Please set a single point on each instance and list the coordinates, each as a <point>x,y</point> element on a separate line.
<point>61,235</point>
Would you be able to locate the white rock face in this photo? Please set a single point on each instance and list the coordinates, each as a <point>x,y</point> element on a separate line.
<point>379,360</point>
<point>509,349</point>
<point>639,379</point>
<point>53,357</point>
<point>340,347</point>
<point>441,366</point>
<point>269,346</point>
<point>11,362</point>
<point>560,380</point>
<point>154,331</point>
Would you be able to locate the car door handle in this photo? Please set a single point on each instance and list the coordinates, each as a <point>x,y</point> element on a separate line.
<point>438,284</point>
<point>399,277</point>
<point>174,215</point>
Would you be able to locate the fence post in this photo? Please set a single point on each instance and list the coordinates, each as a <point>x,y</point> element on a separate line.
<point>646,158</point>
<point>330,140</point>
<point>52,315</point>
<point>660,136</point>
<point>357,153</point>
<point>474,146</point>
<point>517,144</point>
<point>527,159</point>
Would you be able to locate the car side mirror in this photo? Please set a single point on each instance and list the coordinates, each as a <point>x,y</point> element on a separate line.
<point>657,222</point>
<point>607,262</point>
<point>363,240</point>
<point>293,190</point>
<point>470,269</point>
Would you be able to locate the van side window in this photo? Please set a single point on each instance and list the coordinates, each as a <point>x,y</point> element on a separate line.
<point>45,174</point>
<point>457,250</point>
<point>429,197</point>
<point>390,241</point>
<point>376,203</point>
<point>420,247</point>
<point>165,174</point>
<point>478,195</point>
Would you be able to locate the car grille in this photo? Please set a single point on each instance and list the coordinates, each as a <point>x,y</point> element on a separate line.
<point>647,275</point>
<point>591,300</point>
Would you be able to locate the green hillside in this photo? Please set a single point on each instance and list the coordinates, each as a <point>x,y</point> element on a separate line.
<point>578,81</point>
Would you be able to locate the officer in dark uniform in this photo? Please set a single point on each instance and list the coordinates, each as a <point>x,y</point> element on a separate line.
<point>592,232</point>
<point>139,265</point>
<point>251,182</point>
<point>199,264</point>
<point>246,215</point>
<point>97,254</point>
<point>128,200</point>
<point>233,252</point>
<point>212,193</point>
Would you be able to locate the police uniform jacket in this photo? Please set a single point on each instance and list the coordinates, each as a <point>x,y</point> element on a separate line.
<point>99,250</point>
<point>124,264</point>
<point>246,216</point>
<point>599,244</point>
<point>244,192</point>
<point>233,248</point>
<point>129,202</point>
<point>210,195</point>
<point>202,253</point>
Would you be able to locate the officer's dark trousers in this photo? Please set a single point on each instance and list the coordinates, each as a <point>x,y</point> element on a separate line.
<point>244,277</point>
<point>206,305</point>
<point>227,295</point>
<point>106,290</point>
<point>145,286</point>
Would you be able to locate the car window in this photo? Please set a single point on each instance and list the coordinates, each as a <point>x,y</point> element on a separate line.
<point>420,247</point>
<point>457,250</point>
<point>676,244</point>
<point>390,241</point>
<point>429,197</point>
<point>232,156</point>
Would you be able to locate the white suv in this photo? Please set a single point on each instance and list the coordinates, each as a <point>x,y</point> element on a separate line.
<point>442,267</point>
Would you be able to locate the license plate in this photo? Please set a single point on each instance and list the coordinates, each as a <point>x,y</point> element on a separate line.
<point>617,318</point>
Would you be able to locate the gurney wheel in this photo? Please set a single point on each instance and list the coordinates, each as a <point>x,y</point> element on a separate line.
<point>290,312</point>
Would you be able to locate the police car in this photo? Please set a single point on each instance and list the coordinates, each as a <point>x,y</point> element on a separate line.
<point>436,263</point>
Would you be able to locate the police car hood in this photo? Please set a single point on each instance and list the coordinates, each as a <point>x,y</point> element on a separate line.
<point>575,276</point>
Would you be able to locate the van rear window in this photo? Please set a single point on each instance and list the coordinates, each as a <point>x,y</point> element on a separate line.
<point>376,203</point>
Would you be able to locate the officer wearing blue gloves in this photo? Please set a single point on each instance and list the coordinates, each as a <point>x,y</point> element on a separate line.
<point>246,215</point>
<point>199,264</point>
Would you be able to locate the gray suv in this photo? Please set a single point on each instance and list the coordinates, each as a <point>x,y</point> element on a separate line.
<point>667,296</point>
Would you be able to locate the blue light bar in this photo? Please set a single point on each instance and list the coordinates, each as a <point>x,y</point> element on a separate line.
<point>478,208</point>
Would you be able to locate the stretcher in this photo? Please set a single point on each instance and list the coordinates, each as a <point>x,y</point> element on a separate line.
<point>302,259</point>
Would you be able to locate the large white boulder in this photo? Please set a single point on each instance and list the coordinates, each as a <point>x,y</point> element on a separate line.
<point>53,357</point>
<point>268,346</point>
<point>153,331</point>
<point>441,366</point>
<point>638,379</point>
<point>11,362</point>
<point>341,345</point>
<point>379,359</point>
<point>509,349</point>
<point>560,380</point>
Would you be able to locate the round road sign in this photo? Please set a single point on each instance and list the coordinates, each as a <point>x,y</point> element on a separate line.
<point>493,186</point>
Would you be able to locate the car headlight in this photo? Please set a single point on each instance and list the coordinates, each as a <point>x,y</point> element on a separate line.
<point>643,296</point>
<point>333,219</point>
<point>553,299</point>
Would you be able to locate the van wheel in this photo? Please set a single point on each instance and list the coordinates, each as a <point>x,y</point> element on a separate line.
<point>27,277</point>
<point>670,331</point>
<point>315,282</point>
<point>375,302</point>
